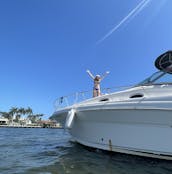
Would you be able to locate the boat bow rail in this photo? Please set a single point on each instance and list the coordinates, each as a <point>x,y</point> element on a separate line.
<point>77,97</point>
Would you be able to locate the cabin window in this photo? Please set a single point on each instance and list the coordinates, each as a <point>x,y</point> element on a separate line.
<point>136,96</point>
<point>104,99</point>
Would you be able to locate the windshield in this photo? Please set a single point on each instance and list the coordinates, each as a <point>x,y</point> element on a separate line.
<point>159,77</point>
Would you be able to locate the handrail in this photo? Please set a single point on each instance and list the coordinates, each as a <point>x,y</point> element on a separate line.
<point>77,97</point>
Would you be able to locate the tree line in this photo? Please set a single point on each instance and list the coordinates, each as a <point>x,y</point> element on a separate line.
<point>15,114</point>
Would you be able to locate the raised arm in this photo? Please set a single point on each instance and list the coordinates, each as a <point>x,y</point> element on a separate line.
<point>103,76</point>
<point>90,74</point>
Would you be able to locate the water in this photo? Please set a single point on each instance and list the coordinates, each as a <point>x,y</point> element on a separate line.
<point>49,151</point>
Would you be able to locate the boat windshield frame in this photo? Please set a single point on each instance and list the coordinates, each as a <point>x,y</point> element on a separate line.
<point>155,79</point>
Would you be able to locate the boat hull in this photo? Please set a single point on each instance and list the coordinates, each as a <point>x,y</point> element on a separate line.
<point>146,132</point>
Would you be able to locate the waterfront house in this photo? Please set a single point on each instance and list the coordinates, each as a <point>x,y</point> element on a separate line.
<point>48,123</point>
<point>4,121</point>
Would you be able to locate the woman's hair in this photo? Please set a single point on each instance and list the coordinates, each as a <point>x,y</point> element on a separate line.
<point>97,77</point>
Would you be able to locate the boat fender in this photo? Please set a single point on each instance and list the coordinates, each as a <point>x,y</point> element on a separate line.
<point>70,119</point>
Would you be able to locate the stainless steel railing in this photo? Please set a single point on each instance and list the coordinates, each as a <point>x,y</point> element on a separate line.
<point>77,97</point>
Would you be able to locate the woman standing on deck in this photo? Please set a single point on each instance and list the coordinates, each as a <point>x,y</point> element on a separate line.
<point>97,79</point>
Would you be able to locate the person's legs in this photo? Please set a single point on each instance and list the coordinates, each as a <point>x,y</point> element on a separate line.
<point>94,93</point>
<point>98,92</point>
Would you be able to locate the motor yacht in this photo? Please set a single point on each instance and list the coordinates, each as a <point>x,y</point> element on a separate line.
<point>136,120</point>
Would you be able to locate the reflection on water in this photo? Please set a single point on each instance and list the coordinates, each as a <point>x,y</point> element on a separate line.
<point>49,151</point>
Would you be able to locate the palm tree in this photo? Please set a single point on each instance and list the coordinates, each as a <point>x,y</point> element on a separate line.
<point>21,111</point>
<point>18,116</point>
<point>16,113</point>
<point>35,117</point>
<point>39,116</point>
<point>7,115</point>
<point>13,111</point>
<point>29,111</point>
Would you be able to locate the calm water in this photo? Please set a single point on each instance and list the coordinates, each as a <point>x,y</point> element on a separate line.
<point>49,151</point>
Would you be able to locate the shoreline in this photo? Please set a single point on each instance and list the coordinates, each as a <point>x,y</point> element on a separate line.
<point>28,126</point>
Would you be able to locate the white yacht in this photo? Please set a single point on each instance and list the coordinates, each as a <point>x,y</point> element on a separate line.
<point>137,120</point>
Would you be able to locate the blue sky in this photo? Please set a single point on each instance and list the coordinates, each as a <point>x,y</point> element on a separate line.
<point>46,46</point>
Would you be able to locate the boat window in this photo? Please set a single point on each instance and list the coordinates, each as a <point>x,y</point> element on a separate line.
<point>136,96</point>
<point>159,77</point>
<point>104,99</point>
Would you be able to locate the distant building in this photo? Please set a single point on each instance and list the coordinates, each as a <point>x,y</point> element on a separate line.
<point>25,121</point>
<point>4,121</point>
<point>48,123</point>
